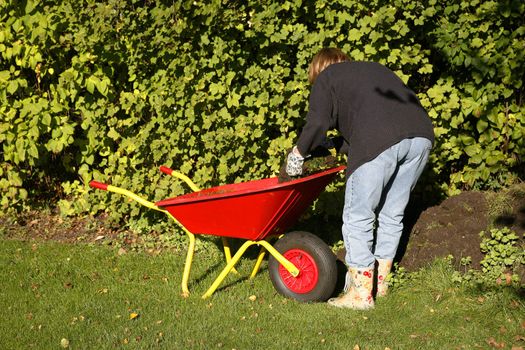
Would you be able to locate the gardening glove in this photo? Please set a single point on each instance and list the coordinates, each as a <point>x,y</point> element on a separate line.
<point>294,163</point>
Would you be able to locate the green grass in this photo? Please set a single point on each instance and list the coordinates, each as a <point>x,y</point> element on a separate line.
<point>86,294</point>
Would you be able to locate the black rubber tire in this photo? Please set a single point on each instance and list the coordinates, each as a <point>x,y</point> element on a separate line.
<point>325,261</point>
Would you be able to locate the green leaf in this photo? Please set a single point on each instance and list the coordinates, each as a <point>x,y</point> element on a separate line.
<point>493,159</point>
<point>476,43</point>
<point>30,6</point>
<point>90,85</point>
<point>354,34</point>
<point>113,134</point>
<point>12,86</point>
<point>472,150</point>
<point>102,87</point>
<point>4,76</point>
<point>481,125</point>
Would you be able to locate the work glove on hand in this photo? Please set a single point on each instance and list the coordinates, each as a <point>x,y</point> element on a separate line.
<point>294,163</point>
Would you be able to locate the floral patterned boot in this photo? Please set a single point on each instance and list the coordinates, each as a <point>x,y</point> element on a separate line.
<point>383,269</point>
<point>359,294</point>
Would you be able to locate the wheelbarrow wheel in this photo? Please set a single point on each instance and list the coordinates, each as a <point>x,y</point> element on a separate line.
<point>316,263</point>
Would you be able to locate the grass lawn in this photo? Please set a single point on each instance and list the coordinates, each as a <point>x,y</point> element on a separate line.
<point>82,296</point>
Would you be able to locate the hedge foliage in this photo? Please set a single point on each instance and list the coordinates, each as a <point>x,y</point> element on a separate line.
<point>109,90</point>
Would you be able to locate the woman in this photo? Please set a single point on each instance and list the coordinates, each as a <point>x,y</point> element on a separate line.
<point>388,136</point>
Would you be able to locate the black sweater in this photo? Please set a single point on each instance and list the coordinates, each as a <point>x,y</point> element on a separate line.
<point>370,107</point>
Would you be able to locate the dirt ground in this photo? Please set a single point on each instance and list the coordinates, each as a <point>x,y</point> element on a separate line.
<point>450,228</point>
<point>453,227</point>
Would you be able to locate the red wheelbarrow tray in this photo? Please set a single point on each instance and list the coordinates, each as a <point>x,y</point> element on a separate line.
<point>251,210</point>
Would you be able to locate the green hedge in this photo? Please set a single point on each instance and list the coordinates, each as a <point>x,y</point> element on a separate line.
<point>111,90</point>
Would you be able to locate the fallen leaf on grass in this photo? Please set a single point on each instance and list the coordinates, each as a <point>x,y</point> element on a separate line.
<point>492,342</point>
<point>133,315</point>
<point>74,320</point>
<point>252,297</point>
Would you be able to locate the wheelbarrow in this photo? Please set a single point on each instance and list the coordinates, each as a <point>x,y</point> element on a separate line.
<point>301,265</point>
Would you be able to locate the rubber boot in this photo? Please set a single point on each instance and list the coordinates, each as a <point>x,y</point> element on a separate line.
<point>383,269</point>
<point>359,294</point>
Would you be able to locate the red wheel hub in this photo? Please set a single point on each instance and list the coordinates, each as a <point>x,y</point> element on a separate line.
<point>308,273</point>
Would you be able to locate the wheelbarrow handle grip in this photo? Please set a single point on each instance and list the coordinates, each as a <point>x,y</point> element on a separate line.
<point>176,174</point>
<point>165,170</point>
<point>99,185</point>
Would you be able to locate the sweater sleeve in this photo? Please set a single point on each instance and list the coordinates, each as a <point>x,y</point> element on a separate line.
<point>319,117</point>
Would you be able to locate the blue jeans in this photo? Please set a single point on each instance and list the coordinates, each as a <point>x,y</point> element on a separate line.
<point>379,190</point>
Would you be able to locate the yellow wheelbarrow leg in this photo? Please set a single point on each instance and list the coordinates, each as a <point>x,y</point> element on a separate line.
<point>227,251</point>
<point>294,271</point>
<point>189,258</point>
<point>187,265</point>
<point>228,268</point>
<point>191,245</point>
<point>258,263</point>
<point>260,257</point>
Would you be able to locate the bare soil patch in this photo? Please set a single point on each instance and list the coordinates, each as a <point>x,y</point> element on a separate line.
<point>453,227</point>
<point>44,225</point>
